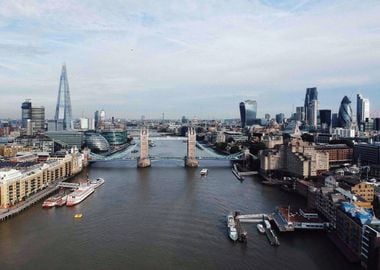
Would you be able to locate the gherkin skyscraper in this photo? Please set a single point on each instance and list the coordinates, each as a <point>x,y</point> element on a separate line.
<point>63,110</point>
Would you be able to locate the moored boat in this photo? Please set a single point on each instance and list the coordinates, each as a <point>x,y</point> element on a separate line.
<point>231,226</point>
<point>53,201</point>
<point>260,228</point>
<point>79,195</point>
<point>96,183</point>
<point>62,201</point>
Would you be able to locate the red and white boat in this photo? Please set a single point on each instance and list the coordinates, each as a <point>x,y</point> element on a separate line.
<point>53,201</point>
<point>80,194</point>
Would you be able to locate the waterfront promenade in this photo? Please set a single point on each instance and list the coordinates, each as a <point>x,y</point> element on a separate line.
<point>14,210</point>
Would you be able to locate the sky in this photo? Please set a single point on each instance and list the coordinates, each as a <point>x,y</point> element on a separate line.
<point>195,58</point>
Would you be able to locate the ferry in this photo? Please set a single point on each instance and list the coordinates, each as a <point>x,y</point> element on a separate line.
<point>96,183</point>
<point>260,228</point>
<point>232,232</point>
<point>53,201</point>
<point>62,201</point>
<point>80,194</point>
<point>204,171</point>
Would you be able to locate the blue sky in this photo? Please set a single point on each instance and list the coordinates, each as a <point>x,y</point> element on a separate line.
<point>194,58</point>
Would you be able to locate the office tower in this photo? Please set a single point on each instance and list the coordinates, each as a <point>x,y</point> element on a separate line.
<point>248,112</point>
<point>280,118</point>
<point>313,113</point>
<point>96,119</point>
<point>345,113</point>
<point>325,118</point>
<point>311,94</point>
<point>63,112</point>
<point>300,114</point>
<point>26,112</point>
<point>102,116</point>
<point>38,119</point>
<point>362,110</point>
<point>334,120</point>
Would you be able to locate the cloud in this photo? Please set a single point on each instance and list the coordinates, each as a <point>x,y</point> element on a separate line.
<point>132,57</point>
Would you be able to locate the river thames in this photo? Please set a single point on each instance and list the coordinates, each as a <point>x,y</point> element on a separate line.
<point>163,217</point>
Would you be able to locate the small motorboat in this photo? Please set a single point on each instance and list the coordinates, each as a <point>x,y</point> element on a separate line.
<point>204,172</point>
<point>78,215</point>
<point>260,228</point>
<point>231,226</point>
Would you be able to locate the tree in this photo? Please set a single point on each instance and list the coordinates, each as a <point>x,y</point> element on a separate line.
<point>307,137</point>
<point>256,147</point>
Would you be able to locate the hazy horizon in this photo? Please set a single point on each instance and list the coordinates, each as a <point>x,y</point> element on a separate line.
<point>194,58</point>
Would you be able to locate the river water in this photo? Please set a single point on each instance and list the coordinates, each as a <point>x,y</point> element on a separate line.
<point>163,217</point>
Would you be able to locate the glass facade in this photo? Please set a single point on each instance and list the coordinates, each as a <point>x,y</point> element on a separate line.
<point>248,113</point>
<point>63,108</point>
<point>345,113</point>
<point>96,142</point>
<point>325,117</point>
<point>311,95</point>
<point>26,113</point>
<point>67,139</point>
<point>115,136</point>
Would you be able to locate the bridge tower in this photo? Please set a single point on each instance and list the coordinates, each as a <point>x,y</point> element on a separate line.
<point>144,161</point>
<point>191,158</point>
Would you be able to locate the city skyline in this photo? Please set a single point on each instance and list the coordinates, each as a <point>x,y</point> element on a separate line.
<point>140,59</point>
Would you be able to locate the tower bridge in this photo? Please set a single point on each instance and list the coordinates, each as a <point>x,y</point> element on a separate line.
<point>144,159</point>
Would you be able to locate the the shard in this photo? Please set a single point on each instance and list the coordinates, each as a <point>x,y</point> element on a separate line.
<point>63,109</point>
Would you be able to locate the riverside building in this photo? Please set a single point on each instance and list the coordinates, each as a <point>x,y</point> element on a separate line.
<point>16,185</point>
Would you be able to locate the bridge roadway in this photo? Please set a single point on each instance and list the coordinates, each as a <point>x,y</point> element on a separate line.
<point>128,155</point>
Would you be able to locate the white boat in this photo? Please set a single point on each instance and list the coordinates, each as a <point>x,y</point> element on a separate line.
<point>232,232</point>
<point>96,183</point>
<point>204,171</point>
<point>79,195</point>
<point>260,228</point>
<point>267,224</point>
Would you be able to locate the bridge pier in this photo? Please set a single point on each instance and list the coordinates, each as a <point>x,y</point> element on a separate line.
<point>144,161</point>
<point>191,158</point>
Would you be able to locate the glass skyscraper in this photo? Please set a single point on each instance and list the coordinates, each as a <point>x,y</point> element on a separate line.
<point>63,112</point>
<point>311,106</point>
<point>325,118</point>
<point>362,110</point>
<point>248,112</point>
<point>345,113</point>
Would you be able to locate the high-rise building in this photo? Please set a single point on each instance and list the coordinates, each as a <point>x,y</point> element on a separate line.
<point>102,116</point>
<point>313,113</point>
<point>38,119</point>
<point>362,110</point>
<point>325,118</point>
<point>280,118</point>
<point>334,120</point>
<point>345,113</point>
<point>96,119</point>
<point>63,109</point>
<point>300,114</point>
<point>26,112</point>
<point>32,118</point>
<point>248,112</point>
<point>311,94</point>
